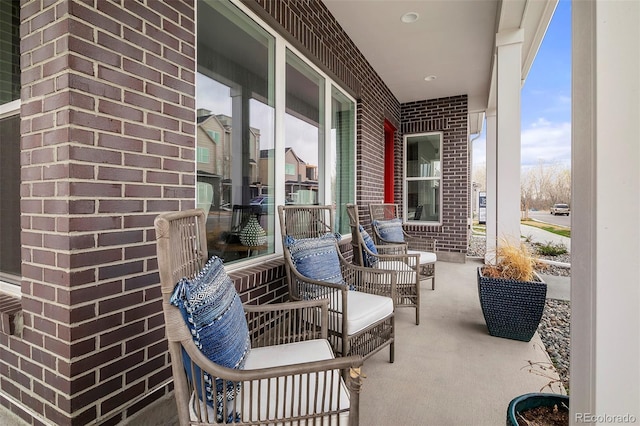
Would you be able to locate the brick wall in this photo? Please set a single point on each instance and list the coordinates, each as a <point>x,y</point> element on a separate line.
<point>449,116</point>
<point>108,99</point>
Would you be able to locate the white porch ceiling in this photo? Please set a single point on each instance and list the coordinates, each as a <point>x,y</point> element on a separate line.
<point>452,39</point>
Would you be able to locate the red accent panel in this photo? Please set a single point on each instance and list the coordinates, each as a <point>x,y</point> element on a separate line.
<point>389,160</point>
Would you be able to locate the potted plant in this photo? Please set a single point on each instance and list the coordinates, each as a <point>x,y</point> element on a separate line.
<point>512,295</point>
<point>538,409</point>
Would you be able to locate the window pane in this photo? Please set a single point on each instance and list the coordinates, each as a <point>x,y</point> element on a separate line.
<point>423,174</point>
<point>235,138</point>
<point>10,196</point>
<point>342,156</point>
<point>423,156</point>
<point>423,200</point>
<point>9,51</point>
<point>304,131</point>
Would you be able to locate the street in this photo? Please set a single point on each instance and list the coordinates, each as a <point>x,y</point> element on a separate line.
<point>545,216</point>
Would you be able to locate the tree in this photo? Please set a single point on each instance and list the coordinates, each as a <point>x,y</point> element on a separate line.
<point>545,184</point>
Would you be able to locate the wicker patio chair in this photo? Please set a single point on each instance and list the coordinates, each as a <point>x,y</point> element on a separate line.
<point>361,300</point>
<point>387,214</point>
<point>389,256</point>
<point>290,374</point>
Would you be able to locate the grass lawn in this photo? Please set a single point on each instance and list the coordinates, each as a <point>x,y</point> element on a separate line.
<point>559,230</point>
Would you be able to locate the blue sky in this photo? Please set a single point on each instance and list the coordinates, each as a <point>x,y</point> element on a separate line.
<point>546,99</point>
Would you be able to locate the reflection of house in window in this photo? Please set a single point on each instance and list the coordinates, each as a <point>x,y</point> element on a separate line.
<point>301,179</point>
<point>215,156</point>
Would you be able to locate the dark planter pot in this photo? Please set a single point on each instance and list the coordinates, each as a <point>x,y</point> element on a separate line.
<point>533,400</point>
<point>512,309</point>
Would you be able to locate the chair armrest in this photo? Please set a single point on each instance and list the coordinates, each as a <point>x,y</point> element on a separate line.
<point>314,288</point>
<point>332,370</point>
<point>369,280</point>
<point>238,375</point>
<point>406,258</point>
<point>289,322</point>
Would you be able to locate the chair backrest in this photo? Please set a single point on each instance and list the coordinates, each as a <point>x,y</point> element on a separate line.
<point>357,241</point>
<point>383,211</point>
<point>418,214</point>
<point>181,244</point>
<point>302,221</point>
<point>181,241</point>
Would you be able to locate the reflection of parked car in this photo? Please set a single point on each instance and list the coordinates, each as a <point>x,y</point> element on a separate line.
<point>558,209</point>
<point>264,201</point>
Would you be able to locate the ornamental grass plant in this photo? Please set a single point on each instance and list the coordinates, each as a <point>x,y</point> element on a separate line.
<point>513,262</point>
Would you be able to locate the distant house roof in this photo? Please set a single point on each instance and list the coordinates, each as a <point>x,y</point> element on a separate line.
<point>295,155</point>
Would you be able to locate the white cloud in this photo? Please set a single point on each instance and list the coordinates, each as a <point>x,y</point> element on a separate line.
<point>542,141</point>
<point>547,142</point>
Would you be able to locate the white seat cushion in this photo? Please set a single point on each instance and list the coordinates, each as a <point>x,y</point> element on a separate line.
<point>425,256</point>
<point>295,388</point>
<point>364,309</point>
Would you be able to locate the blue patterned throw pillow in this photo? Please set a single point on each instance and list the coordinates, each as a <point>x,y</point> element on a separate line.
<point>213,311</point>
<point>369,261</point>
<point>390,230</point>
<point>316,258</point>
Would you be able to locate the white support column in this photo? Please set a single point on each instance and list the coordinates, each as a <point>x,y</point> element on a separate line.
<point>492,188</point>
<point>509,85</point>
<point>605,213</point>
<point>503,145</point>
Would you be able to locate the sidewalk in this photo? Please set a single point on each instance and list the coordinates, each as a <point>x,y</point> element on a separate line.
<point>541,236</point>
<point>557,287</point>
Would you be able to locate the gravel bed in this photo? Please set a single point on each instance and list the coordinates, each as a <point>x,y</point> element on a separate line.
<point>554,331</point>
<point>554,328</point>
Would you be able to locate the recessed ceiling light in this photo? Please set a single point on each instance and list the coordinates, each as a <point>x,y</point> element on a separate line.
<point>430,77</point>
<point>409,17</point>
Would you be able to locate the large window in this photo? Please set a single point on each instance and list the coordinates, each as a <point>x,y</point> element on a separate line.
<point>10,142</point>
<point>236,123</point>
<point>342,168</point>
<point>262,108</point>
<point>423,177</point>
<point>304,131</point>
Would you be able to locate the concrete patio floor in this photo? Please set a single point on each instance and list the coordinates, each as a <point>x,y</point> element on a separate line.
<point>448,370</point>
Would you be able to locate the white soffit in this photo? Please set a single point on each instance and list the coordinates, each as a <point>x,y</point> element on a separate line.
<point>453,40</point>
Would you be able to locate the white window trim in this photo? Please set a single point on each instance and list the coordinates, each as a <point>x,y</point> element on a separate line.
<point>408,179</point>
<point>10,108</point>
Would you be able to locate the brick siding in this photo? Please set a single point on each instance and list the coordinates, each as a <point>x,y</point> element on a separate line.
<point>449,116</point>
<point>108,111</point>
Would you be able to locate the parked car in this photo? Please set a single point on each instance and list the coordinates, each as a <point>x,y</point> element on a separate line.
<point>263,201</point>
<point>559,209</point>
